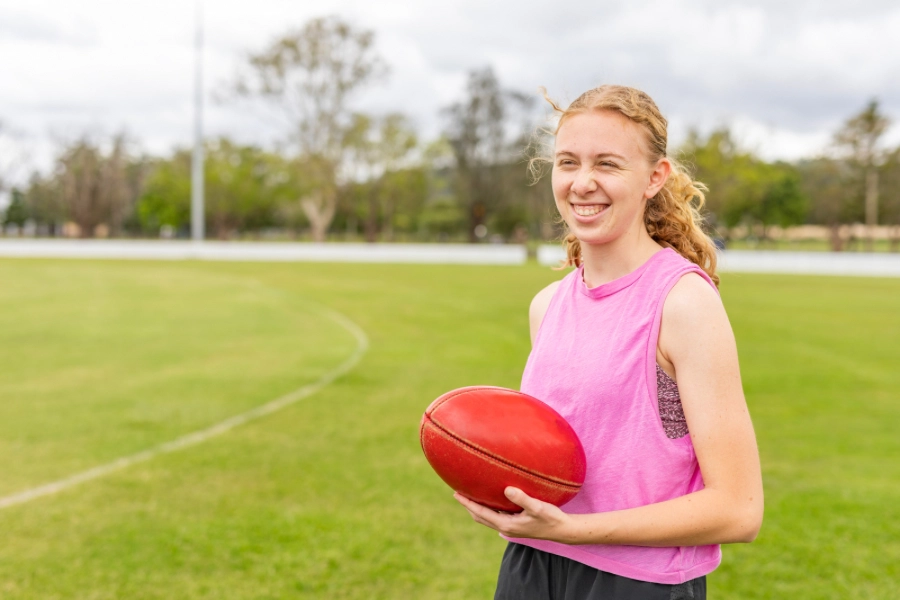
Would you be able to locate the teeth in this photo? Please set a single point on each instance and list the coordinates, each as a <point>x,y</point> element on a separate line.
<point>587,211</point>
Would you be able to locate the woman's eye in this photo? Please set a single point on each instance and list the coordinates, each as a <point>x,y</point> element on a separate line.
<point>608,165</point>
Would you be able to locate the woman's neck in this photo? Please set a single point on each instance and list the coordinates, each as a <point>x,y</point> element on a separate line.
<point>606,262</point>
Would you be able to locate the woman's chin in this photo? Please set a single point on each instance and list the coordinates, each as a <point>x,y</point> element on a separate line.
<point>593,236</point>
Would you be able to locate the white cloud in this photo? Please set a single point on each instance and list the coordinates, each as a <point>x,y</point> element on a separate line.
<point>786,74</point>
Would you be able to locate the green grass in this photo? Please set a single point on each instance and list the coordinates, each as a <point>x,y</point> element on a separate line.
<point>331,497</point>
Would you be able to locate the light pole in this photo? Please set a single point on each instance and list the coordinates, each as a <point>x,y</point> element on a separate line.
<point>197,224</point>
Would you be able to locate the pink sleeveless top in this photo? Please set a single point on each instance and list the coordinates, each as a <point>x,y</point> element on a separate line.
<point>594,362</point>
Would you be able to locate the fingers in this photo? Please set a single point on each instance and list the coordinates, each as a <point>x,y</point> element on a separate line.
<point>480,514</point>
<point>474,507</point>
<point>537,520</point>
<point>517,496</point>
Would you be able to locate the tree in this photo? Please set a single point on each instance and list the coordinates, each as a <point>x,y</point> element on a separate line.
<point>312,74</point>
<point>743,188</point>
<point>10,159</point>
<point>16,213</point>
<point>858,142</point>
<point>404,193</point>
<point>890,202</point>
<point>440,213</point>
<point>728,171</point>
<point>396,141</point>
<point>4,167</point>
<point>13,158</point>
<point>782,201</point>
<point>94,184</point>
<point>245,188</point>
<point>43,197</point>
<point>479,134</point>
<point>166,198</point>
<point>381,147</point>
<point>825,181</point>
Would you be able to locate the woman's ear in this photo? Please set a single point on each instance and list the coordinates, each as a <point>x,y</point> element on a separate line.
<point>658,177</point>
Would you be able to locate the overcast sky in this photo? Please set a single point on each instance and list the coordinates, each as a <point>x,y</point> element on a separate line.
<point>784,74</point>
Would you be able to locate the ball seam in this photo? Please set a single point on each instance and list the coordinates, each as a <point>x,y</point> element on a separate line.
<point>554,481</point>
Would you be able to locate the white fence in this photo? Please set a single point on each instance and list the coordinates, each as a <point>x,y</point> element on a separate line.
<point>801,263</point>
<point>740,261</point>
<point>470,254</point>
<point>861,264</point>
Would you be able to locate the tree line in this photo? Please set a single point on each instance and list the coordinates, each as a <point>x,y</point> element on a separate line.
<point>344,174</point>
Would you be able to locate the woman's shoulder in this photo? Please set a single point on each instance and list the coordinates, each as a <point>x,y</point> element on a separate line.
<point>539,305</point>
<point>692,299</point>
<point>541,300</point>
<point>694,324</point>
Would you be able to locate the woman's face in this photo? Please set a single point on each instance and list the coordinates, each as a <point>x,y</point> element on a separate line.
<point>602,176</point>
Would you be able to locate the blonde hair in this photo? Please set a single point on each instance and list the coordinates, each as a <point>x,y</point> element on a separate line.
<point>672,216</point>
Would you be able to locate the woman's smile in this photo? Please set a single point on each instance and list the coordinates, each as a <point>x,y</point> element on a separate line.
<point>585,212</point>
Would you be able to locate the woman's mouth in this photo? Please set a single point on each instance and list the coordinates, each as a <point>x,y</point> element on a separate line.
<point>588,210</point>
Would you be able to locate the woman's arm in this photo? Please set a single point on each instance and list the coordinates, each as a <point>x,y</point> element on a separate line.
<point>696,339</point>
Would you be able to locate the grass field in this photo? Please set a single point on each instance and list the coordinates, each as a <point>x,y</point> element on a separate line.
<point>331,497</point>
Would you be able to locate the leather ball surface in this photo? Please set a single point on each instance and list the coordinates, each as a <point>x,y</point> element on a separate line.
<point>482,439</point>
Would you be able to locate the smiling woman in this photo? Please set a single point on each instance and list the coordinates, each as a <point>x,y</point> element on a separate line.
<point>635,350</point>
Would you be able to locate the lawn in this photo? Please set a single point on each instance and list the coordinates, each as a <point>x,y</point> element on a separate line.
<point>331,497</point>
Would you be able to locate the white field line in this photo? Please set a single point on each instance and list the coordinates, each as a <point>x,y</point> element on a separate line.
<point>197,437</point>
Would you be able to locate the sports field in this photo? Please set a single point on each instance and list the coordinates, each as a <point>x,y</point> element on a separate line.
<point>331,497</point>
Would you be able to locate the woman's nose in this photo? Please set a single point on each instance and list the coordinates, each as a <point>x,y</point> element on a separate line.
<point>584,182</point>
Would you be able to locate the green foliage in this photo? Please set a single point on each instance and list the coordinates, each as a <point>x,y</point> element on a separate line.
<point>442,217</point>
<point>382,149</point>
<point>166,200</point>
<point>831,185</point>
<point>724,168</point>
<point>243,185</point>
<point>404,191</point>
<point>245,189</point>
<point>16,212</point>
<point>742,187</point>
<point>783,202</point>
<point>43,197</point>
<point>508,218</point>
<point>889,175</point>
<point>772,196</point>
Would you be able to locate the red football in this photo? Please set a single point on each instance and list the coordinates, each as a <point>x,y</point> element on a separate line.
<point>481,439</point>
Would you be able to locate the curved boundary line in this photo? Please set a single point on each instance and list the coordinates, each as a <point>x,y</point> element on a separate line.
<point>197,437</point>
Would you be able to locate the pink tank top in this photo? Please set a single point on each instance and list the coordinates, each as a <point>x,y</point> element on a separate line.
<point>594,362</point>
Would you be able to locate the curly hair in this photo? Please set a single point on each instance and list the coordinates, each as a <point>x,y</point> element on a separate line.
<point>672,217</point>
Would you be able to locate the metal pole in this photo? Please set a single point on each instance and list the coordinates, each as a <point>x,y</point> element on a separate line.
<point>197,213</point>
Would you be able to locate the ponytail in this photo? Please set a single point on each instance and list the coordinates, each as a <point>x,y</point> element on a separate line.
<point>673,219</point>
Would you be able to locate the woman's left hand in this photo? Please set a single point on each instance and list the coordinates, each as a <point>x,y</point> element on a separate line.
<point>539,520</point>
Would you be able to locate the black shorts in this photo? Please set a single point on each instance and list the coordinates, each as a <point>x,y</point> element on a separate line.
<point>529,574</point>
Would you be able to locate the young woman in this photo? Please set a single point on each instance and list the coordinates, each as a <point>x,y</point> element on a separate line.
<point>633,347</point>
